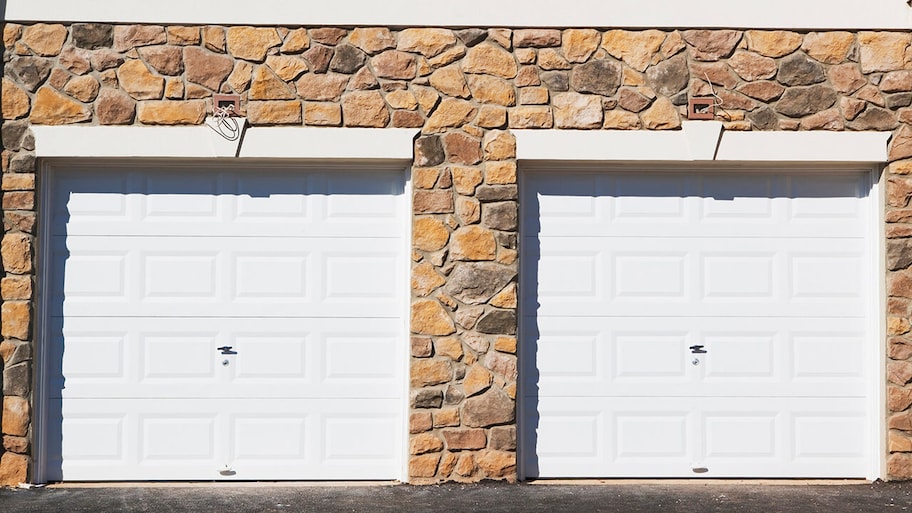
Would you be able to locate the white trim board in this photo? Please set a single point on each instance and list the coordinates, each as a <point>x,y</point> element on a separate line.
<point>701,141</point>
<point>203,142</point>
<point>806,14</point>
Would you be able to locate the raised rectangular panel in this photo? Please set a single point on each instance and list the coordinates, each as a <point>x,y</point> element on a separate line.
<point>365,276</point>
<point>168,194</point>
<point>570,434</point>
<point>568,275</point>
<point>350,438</point>
<point>95,274</point>
<point>270,357</point>
<point>568,356</point>
<point>656,355</point>
<point>269,437</point>
<point>823,276</point>
<point>829,435</point>
<point>662,435</point>
<point>825,197</point>
<point>650,197</point>
<point>651,276</point>
<point>277,196</point>
<point>176,437</point>
<point>353,196</point>
<point>183,356</point>
<point>360,358</point>
<point>737,198</point>
<point>260,276</point>
<point>828,355</point>
<point>94,438</point>
<point>739,435</point>
<point>738,356</point>
<point>738,276</point>
<point>564,196</point>
<point>99,356</point>
<point>179,276</point>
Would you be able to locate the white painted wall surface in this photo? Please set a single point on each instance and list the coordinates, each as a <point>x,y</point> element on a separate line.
<point>804,14</point>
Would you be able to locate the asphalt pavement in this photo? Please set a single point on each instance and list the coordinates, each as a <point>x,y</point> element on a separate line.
<point>626,497</point>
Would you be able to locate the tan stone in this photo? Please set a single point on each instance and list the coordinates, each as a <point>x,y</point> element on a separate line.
<point>899,465</point>
<point>214,38</point>
<point>899,442</point>
<point>53,108</point>
<point>638,49</point>
<point>488,89</point>
<point>449,347</point>
<point>429,234</point>
<point>183,36</point>
<point>491,116</point>
<point>394,64</point>
<point>322,86</point>
<point>84,88</point>
<point>191,112</point>
<point>372,39</point>
<point>851,107</point>
<point>16,102</point>
<point>265,85</point>
<point>621,120</point>
<point>506,256</point>
<point>773,43</point>
<point>402,99</point>
<point>534,96</point>
<point>16,444</point>
<point>16,416</point>
<point>328,35</point>
<point>531,116</point>
<point>449,56</point>
<point>828,47</point>
<point>477,380</point>
<point>526,55</point>
<point>19,200</point>
<point>365,109</point>
<point>424,443</point>
<point>432,202</point>
<point>451,112</point>
<point>139,82</point>
<point>473,243</point>
<point>424,177</point>
<point>466,465</point>
<point>711,45</point>
<point>468,210</point>
<point>762,90</point>
<point>501,36</point>
<point>419,422</point>
<point>500,173</point>
<point>898,373</point>
<point>44,39</point>
<point>579,44</point>
<point>830,119</point>
<point>11,33</point>
<point>16,287</point>
<point>574,110</point>
<point>430,371</point>
<point>883,51</point>
<point>871,93</point>
<point>461,148</point>
<point>846,78</point>
<point>322,114</point>
<point>429,42</point>
<point>489,59</point>
<point>425,279</point>
<point>446,417</point>
<point>295,42</point>
<point>527,76</point>
<point>13,469</point>
<point>427,97</point>
<point>16,319</point>
<point>18,181</point>
<point>499,145</point>
<point>750,66</point>
<point>466,179</point>
<point>240,77</point>
<point>286,67</point>
<point>251,43</point>
<point>673,44</point>
<point>551,59</point>
<point>898,398</point>
<point>898,326</point>
<point>429,318</point>
<point>450,81</point>
<point>424,465</point>
<point>497,464</point>
<point>662,115</point>
<point>506,344</point>
<point>127,37</point>
<point>505,298</point>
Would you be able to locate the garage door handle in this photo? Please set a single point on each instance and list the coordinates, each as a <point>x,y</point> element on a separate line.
<point>226,350</point>
<point>697,350</point>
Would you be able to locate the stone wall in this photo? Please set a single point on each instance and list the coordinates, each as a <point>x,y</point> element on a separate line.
<point>465,89</point>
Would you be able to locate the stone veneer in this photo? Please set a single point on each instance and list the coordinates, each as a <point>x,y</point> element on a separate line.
<point>465,89</point>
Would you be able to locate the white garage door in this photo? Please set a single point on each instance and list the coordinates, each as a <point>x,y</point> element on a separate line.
<point>223,323</point>
<point>686,324</point>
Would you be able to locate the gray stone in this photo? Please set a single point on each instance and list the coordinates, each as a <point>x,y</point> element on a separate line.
<point>898,100</point>
<point>555,80</point>
<point>874,118</point>
<point>598,76</point>
<point>454,395</point>
<point>28,71</point>
<point>429,151</point>
<point>22,353</point>
<point>106,59</point>
<point>764,119</point>
<point>506,239</point>
<point>476,282</point>
<point>92,35</point>
<point>319,57</point>
<point>801,101</point>
<point>503,364</point>
<point>487,193</point>
<point>488,409</point>
<point>500,322</point>
<point>669,76</point>
<point>23,162</point>
<point>629,99</point>
<point>472,36</point>
<point>798,69</point>
<point>499,216</point>
<point>680,99</point>
<point>347,59</point>
<point>17,380</point>
<point>899,254</point>
<point>503,438</point>
<point>427,398</point>
<point>13,133</point>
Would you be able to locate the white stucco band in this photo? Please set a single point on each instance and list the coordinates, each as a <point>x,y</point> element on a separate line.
<point>203,142</point>
<point>701,141</point>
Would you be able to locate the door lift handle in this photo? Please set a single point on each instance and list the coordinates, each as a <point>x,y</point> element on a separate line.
<point>226,350</point>
<point>697,349</point>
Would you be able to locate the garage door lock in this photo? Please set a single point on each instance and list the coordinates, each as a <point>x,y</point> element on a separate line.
<point>697,350</point>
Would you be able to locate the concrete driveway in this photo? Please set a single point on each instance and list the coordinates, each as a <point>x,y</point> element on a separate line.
<point>630,496</point>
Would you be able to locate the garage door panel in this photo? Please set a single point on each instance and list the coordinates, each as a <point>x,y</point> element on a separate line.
<point>268,277</point>
<point>599,276</point>
<point>168,357</point>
